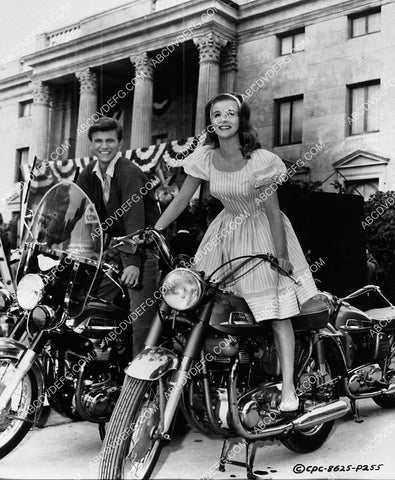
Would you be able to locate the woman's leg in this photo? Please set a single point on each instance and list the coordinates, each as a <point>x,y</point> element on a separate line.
<point>284,340</point>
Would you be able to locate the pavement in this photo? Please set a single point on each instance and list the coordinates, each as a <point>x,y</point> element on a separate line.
<point>65,449</point>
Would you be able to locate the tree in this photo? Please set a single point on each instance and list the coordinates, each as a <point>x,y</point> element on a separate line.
<point>379,226</point>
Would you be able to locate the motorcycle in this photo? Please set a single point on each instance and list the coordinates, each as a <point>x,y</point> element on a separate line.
<point>206,355</point>
<point>367,341</point>
<point>62,349</point>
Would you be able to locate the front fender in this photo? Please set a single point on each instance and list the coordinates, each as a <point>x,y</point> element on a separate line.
<point>10,348</point>
<point>152,363</point>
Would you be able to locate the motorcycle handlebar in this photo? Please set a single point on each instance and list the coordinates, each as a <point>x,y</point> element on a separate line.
<point>144,237</point>
<point>268,257</point>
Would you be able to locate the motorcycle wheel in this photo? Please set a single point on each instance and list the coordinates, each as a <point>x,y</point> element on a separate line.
<point>17,421</point>
<point>310,439</point>
<point>385,401</point>
<point>129,451</point>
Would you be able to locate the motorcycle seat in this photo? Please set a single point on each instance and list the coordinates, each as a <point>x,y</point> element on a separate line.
<point>313,315</point>
<point>384,317</point>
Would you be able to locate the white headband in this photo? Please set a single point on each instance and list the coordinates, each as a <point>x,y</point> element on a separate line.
<point>234,98</point>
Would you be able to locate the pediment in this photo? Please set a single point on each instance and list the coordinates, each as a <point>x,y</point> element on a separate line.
<point>359,159</point>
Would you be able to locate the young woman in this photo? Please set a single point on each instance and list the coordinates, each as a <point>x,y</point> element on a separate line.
<point>240,175</point>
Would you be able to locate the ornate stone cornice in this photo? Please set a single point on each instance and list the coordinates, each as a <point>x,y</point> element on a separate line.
<point>143,65</point>
<point>88,80</point>
<point>210,46</point>
<point>41,93</point>
<point>228,60</point>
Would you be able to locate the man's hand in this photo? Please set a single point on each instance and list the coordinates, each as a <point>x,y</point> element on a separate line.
<point>130,276</point>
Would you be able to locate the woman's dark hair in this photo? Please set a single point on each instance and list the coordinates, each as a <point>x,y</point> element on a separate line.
<point>106,124</point>
<point>247,134</point>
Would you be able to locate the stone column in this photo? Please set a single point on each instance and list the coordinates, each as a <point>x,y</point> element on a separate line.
<point>210,46</point>
<point>141,135</point>
<point>228,68</point>
<point>87,107</point>
<point>40,120</point>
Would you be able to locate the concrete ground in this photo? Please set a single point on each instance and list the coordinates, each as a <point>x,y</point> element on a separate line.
<point>64,450</point>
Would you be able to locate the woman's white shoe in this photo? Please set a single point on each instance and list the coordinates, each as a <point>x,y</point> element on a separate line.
<point>289,404</point>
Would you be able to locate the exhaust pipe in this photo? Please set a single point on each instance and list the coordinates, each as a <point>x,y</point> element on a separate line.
<point>390,390</point>
<point>321,414</point>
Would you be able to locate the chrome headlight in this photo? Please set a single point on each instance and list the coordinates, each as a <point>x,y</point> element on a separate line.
<point>30,291</point>
<point>5,299</point>
<point>182,289</point>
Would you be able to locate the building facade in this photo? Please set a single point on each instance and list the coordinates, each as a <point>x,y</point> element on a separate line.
<point>319,76</point>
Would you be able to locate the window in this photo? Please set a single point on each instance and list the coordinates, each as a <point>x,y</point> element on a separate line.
<point>289,120</point>
<point>365,23</point>
<point>22,157</point>
<point>363,108</point>
<point>292,42</point>
<point>366,188</point>
<point>25,108</point>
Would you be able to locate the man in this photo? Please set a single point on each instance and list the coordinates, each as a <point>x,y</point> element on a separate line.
<point>111,182</point>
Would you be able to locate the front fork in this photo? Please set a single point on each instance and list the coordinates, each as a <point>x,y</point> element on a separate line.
<point>22,368</point>
<point>191,353</point>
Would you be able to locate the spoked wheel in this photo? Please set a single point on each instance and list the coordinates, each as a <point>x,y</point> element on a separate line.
<point>131,447</point>
<point>310,439</point>
<point>16,421</point>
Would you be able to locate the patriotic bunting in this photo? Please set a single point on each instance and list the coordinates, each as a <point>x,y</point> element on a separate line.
<point>147,158</point>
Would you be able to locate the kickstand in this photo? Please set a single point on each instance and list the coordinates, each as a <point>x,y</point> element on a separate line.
<point>250,458</point>
<point>43,417</point>
<point>229,451</point>
<point>355,411</point>
<point>102,430</point>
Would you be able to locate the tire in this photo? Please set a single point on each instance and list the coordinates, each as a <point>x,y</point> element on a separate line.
<point>12,430</point>
<point>385,401</point>
<point>310,439</point>
<point>137,398</point>
<point>306,441</point>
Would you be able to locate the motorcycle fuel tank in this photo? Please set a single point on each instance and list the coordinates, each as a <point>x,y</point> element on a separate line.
<point>232,315</point>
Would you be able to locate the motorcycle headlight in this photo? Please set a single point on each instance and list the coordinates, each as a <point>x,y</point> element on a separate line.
<point>30,291</point>
<point>5,299</point>
<point>41,317</point>
<point>182,289</point>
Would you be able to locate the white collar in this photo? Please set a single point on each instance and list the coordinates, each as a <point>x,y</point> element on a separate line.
<point>183,231</point>
<point>110,168</point>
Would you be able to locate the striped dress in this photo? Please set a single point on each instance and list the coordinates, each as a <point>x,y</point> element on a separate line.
<point>242,228</point>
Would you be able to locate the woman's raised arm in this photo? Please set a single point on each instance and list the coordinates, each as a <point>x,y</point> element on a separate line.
<point>179,204</point>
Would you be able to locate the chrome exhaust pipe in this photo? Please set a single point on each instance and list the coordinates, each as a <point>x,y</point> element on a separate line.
<point>321,414</point>
<point>390,390</point>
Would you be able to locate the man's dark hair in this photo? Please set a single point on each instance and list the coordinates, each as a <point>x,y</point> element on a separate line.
<point>106,124</point>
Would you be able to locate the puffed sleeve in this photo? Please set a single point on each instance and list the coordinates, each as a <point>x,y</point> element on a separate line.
<point>198,162</point>
<point>268,168</point>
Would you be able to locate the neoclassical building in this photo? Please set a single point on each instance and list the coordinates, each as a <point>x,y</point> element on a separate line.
<point>315,72</point>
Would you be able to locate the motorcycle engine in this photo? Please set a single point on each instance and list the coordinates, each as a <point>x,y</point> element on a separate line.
<point>99,385</point>
<point>256,408</point>
<point>365,378</point>
<point>266,360</point>
<point>98,398</point>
